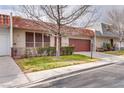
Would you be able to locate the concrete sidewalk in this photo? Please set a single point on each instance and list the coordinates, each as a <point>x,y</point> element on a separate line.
<point>46,75</point>
<point>10,73</point>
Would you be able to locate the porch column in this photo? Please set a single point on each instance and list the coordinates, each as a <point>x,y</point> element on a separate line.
<point>34,40</point>
<point>11,35</point>
<point>42,40</point>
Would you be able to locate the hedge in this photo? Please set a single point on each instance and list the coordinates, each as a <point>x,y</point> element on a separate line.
<point>50,51</point>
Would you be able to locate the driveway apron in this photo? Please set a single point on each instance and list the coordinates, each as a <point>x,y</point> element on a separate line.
<point>10,73</point>
<point>105,57</point>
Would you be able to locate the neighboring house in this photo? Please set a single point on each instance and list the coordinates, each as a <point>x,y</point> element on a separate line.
<point>105,35</point>
<point>25,33</point>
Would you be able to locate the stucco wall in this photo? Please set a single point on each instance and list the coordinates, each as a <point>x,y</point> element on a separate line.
<point>122,44</point>
<point>52,41</point>
<point>118,43</point>
<point>101,40</point>
<point>19,42</point>
<point>65,41</point>
<point>19,38</point>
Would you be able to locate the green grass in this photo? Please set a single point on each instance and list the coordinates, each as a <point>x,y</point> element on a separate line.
<point>121,52</point>
<point>44,63</point>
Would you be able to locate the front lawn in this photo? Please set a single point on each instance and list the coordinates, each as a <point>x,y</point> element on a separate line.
<point>121,52</point>
<point>44,63</point>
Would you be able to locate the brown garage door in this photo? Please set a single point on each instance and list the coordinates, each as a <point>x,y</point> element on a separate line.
<point>80,44</point>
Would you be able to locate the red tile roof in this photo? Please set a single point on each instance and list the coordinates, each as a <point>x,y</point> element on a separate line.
<point>25,24</point>
<point>28,24</point>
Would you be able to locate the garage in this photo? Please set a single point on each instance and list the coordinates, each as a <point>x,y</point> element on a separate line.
<point>80,44</point>
<point>4,42</point>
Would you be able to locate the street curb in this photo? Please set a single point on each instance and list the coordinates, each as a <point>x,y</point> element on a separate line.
<point>76,72</point>
<point>28,85</point>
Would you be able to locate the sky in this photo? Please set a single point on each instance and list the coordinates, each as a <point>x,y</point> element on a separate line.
<point>6,9</point>
<point>101,10</point>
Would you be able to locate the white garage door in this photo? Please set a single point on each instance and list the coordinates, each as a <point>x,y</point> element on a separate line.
<point>4,42</point>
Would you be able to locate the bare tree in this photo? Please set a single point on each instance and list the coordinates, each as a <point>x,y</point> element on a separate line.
<point>116,21</point>
<point>58,16</point>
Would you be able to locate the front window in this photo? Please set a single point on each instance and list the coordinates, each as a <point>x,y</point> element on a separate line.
<point>39,40</point>
<point>29,39</point>
<point>46,41</point>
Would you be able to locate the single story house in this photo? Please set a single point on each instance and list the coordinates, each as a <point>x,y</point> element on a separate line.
<point>17,33</point>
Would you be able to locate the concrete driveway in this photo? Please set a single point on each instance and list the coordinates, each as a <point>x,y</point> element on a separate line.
<point>106,57</point>
<point>10,73</point>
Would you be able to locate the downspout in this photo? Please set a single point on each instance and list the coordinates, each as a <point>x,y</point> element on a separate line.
<point>11,35</point>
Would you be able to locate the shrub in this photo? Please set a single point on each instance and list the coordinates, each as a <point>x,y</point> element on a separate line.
<point>43,51</point>
<point>107,46</point>
<point>51,51</point>
<point>67,50</point>
<point>30,52</point>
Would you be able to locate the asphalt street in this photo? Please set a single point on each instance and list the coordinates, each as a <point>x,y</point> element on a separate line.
<point>111,76</point>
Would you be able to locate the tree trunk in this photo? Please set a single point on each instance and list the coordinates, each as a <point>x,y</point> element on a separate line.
<point>120,42</point>
<point>57,46</point>
<point>58,34</point>
<point>120,45</point>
